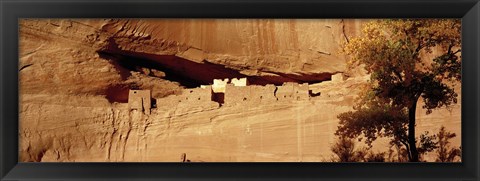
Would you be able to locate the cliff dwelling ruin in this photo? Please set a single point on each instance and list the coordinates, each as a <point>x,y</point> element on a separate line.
<point>140,100</point>
<point>213,90</point>
<point>236,91</point>
<point>192,74</point>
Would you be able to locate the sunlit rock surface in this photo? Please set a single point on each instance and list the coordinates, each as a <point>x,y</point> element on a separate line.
<point>75,76</point>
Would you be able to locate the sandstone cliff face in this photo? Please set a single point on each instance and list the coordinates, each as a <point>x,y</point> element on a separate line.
<point>75,76</point>
<point>255,47</point>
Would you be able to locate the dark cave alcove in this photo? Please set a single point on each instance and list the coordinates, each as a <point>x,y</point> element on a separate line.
<point>191,74</point>
<point>188,74</point>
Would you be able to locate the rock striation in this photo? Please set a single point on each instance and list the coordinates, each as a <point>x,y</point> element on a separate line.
<point>76,75</point>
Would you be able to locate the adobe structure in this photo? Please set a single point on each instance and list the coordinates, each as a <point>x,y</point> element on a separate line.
<point>140,100</point>
<point>192,98</point>
<point>219,85</point>
<point>338,77</point>
<point>226,92</point>
<point>249,94</point>
<point>239,82</point>
<point>292,91</point>
<point>238,91</point>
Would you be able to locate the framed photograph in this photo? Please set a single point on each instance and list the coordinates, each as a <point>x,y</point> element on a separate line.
<point>239,90</point>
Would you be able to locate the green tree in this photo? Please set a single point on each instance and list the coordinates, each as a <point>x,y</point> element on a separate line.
<point>395,53</point>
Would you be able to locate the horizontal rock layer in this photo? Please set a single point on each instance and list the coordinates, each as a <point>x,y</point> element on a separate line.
<point>75,76</point>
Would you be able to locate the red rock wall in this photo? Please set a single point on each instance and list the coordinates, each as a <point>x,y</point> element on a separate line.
<point>73,90</point>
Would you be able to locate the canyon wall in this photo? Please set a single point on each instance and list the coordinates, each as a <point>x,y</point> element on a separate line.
<point>75,76</point>
<point>252,46</point>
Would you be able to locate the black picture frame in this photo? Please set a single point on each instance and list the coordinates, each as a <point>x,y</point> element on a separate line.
<point>11,11</point>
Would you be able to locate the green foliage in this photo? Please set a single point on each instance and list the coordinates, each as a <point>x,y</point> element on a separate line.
<point>395,53</point>
<point>392,50</point>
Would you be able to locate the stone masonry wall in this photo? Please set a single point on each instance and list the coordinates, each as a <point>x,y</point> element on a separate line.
<point>140,100</point>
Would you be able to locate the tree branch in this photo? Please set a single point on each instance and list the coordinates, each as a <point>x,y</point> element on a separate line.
<point>419,47</point>
<point>459,50</point>
<point>407,148</point>
<point>398,75</point>
<point>450,46</point>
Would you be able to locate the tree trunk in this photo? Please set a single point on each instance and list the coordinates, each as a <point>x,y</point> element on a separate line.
<point>411,133</point>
